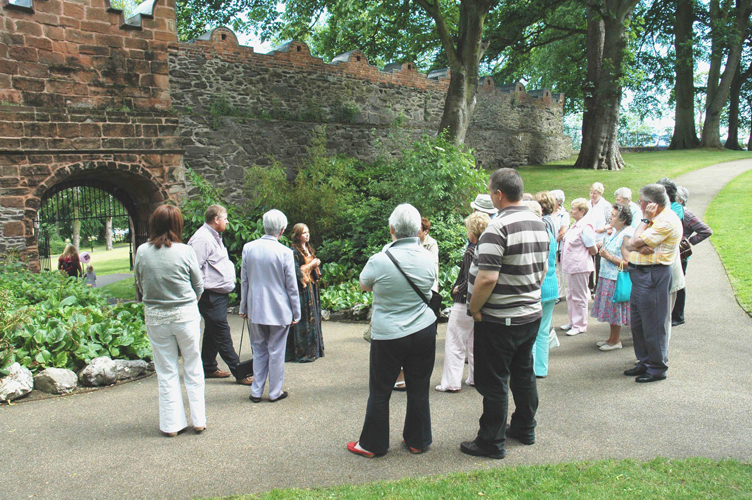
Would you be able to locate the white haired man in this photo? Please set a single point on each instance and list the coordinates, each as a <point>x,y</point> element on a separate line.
<point>623,196</point>
<point>270,302</point>
<point>653,249</point>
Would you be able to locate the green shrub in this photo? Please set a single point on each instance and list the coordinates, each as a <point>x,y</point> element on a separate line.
<point>52,320</point>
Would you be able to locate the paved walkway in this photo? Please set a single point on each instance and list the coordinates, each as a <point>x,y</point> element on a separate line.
<point>109,279</point>
<point>106,444</point>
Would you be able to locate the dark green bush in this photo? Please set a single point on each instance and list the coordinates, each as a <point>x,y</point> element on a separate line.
<point>51,320</point>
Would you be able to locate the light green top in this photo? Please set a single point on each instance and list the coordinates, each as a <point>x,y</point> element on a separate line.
<point>168,277</point>
<point>397,310</point>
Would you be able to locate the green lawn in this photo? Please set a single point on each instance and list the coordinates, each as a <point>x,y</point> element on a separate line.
<point>661,478</point>
<point>115,261</point>
<point>123,289</point>
<point>730,216</point>
<point>641,169</point>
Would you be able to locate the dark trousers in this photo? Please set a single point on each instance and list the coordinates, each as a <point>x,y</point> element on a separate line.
<point>504,360</point>
<point>678,313</point>
<point>217,339</point>
<point>416,354</point>
<point>649,310</point>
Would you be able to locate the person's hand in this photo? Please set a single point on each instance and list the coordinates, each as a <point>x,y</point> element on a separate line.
<point>294,323</point>
<point>605,254</point>
<point>646,250</point>
<point>244,316</point>
<point>455,290</point>
<point>316,262</point>
<point>650,210</point>
<point>610,229</point>
<point>477,316</point>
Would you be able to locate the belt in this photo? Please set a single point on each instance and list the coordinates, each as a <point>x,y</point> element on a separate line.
<point>648,266</point>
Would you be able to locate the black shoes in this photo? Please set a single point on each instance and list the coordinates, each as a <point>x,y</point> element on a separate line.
<point>646,378</point>
<point>255,400</point>
<point>281,396</point>
<point>528,440</point>
<point>470,448</point>
<point>637,370</point>
<point>677,323</point>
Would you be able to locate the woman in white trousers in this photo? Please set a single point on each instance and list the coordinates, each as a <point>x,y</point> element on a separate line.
<point>168,276</point>
<point>459,336</point>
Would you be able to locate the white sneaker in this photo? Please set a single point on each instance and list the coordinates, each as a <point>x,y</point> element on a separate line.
<point>575,331</point>
<point>607,347</point>
<point>566,327</point>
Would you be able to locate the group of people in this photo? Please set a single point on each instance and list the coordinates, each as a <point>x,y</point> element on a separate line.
<point>70,262</point>
<point>519,247</point>
<point>182,283</point>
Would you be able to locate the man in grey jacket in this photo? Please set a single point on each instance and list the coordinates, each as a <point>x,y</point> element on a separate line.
<point>218,273</point>
<point>270,302</point>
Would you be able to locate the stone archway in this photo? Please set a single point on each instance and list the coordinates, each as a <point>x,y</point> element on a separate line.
<point>132,184</point>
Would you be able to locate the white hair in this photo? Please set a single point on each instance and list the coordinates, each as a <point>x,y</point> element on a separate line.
<point>682,194</point>
<point>597,187</point>
<point>275,222</point>
<point>623,192</point>
<point>559,195</point>
<point>405,220</point>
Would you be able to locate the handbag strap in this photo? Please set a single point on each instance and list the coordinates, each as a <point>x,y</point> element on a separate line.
<point>417,290</point>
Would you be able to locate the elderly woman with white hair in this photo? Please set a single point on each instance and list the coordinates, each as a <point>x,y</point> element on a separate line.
<point>403,334</point>
<point>577,250</point>
<point>623,196</point>
<point>561,224</point>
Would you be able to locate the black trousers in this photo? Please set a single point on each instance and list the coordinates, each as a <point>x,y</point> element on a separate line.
<point>217,338</point>
<point>504,360</point>
<point>416,354</point>
<point>681,296</point>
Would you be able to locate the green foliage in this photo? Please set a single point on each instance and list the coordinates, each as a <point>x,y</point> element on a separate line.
<point>52,320</point>
<point>345,112</point>
<point>344,296</point>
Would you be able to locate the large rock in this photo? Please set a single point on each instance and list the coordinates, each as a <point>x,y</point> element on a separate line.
<point>360,311</point>
<point>55,381</point>
<point>130,368</point>
<point>17,384</point>
<point>101,371</point>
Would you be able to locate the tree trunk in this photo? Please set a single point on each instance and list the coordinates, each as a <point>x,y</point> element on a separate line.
<point>76,237</point>
<point>108,234</point>
<point>600,146</point>
<point>732,140</point>
<point>685,134</point>
<point>595,35</point>
<point>711,137</point>
<point>464,53</point>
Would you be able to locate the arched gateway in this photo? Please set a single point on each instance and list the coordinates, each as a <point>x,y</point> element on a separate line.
<point>84,104</point>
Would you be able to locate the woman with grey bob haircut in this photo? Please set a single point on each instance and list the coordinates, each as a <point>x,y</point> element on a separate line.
<point>403,335</point>
<point>275,222</point>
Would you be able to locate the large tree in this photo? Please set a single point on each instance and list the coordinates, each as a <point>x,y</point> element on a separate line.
<point>685,134</point>
<point>728,31</point>
<point>608,26</point>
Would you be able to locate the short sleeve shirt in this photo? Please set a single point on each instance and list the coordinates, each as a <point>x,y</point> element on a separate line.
<point>516,245</point>
<point>663,236</point>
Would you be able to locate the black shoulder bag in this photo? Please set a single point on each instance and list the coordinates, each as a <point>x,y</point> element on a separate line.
<point>434,304</point>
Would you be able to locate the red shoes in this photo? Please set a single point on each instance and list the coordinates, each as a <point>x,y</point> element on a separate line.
<point>363,453</point>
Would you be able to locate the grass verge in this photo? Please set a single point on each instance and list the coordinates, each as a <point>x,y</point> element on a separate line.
<point>116,261</point>
<point>123,289</point>
<point>730,216</point>
<point>641,169</point>
<point>694,478</point>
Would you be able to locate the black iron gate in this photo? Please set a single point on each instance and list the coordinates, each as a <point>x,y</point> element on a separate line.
<point>88,204</point>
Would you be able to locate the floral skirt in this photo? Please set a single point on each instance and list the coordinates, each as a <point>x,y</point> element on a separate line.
<point>604,309</point>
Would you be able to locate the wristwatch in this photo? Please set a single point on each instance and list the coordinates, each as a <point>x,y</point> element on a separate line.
<point>646,221</point>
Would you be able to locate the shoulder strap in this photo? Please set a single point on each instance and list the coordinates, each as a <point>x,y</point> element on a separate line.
<point>417,290</point>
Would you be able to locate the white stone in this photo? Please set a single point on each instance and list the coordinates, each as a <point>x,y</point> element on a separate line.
<point>360,311</point>
<point>130,368</point>
<point>55,381</point>
<point>17,384</point>
<point>325,315</point>
<point>100,372</point>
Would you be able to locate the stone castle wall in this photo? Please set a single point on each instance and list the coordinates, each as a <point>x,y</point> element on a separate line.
<point>278,101</point>
<point>86,94</point>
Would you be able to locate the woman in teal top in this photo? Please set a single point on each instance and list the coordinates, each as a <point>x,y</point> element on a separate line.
<point>549,287</point>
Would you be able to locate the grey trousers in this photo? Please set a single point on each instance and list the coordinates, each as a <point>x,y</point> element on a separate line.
<point>269,342</point>
<point>649,303</point>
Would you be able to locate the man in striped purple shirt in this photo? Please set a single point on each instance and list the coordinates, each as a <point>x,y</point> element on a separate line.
<point>504,298</point>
